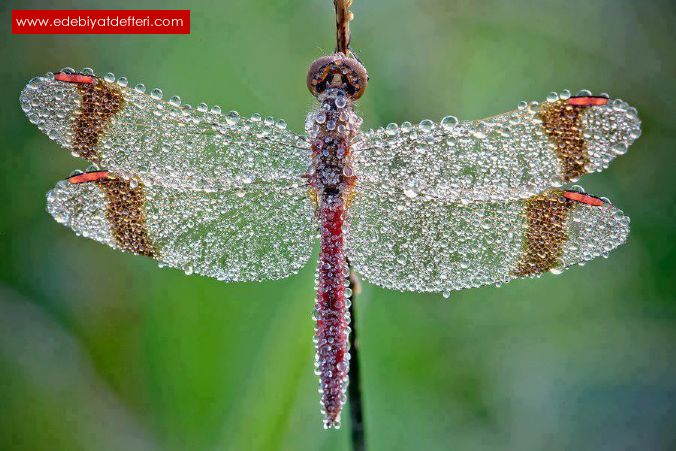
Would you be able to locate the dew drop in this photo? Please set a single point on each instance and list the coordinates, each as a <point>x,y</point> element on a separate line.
<point>426,125</point>
<point>619,148</point>
<point>34,83</point>
<point>449,122</point>
<point>391,129</point>
<point>232,118</point>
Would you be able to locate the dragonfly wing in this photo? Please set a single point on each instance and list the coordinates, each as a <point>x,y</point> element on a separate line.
<point>509,156</point>
<point>263,233</point>
<point>422,244</point>
<point>141,136</point>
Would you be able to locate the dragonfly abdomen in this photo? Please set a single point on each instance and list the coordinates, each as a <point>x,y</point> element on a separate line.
<point>331,310</point>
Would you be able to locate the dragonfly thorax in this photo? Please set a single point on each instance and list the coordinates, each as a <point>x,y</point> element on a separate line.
<point>337,71</point>
<point>331,128</point>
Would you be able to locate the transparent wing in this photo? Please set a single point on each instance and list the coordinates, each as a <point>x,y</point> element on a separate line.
<point>429,245</point>
<point>138,135</point>
<point>509,156</point>
<point>262,233</point>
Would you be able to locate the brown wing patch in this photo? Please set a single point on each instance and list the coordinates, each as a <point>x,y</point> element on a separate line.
<point>126,215</point>
<point>100,102</point>
<point>546,233</point>
<point>562,122</point>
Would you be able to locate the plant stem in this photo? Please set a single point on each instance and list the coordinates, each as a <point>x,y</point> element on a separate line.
<point>354,389</point>
<point>343,18</point>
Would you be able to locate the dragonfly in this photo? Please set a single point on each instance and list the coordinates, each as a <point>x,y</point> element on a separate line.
<point>437,206</point>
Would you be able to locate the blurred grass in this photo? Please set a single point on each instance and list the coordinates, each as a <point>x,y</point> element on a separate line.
<point>100,350</point>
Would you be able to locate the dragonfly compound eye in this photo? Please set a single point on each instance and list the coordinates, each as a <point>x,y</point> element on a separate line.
<point>337,71</point>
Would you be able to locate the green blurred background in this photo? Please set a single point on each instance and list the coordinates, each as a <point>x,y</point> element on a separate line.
<point>104,351</point>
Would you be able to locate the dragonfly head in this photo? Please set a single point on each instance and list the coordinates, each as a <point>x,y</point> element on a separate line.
<point>337,71</point>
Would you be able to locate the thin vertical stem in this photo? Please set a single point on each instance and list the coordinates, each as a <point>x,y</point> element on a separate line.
<point>343,18</point>
<point>354,389</point>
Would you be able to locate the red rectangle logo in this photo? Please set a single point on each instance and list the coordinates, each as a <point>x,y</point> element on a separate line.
<point>101,21</point>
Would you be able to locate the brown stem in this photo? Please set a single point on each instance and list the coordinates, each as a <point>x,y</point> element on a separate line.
<point>343,18</point>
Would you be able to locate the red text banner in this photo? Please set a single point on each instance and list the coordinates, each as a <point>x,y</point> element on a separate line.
<point>100,21</point>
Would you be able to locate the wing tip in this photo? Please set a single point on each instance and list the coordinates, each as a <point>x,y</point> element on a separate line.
<point>64,75</point>
<point>615,223</point>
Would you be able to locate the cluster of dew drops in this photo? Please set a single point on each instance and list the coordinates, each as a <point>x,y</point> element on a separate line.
<point>593,232</point>
<point>333,389</point>
<point>291,251</point>
<point>448,123</point>
<point>329,127</point>
<point>226,237</point>
<point>232,117</point>
<point>241,143</point>
<point>627,124</point>
<point>454,246</point>
<point>610,129</point>
<point>480,160</point>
